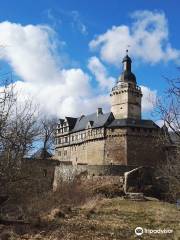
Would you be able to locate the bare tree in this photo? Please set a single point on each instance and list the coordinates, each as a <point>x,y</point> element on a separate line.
<point>48,127</point>
<point>19,128</point>
<point>169,106</point>
<point>169,110</point>
<point>6,103</point>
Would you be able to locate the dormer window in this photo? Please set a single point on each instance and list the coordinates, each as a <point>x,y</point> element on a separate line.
<point>66,129</point>
<point>89,124</point>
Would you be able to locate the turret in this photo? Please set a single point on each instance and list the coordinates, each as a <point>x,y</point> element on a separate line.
<point>126,95</point>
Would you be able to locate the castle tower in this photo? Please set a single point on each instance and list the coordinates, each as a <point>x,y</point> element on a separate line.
<point>126,95</point>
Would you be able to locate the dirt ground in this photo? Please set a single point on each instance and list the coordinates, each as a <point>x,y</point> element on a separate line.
<point>100,219</point>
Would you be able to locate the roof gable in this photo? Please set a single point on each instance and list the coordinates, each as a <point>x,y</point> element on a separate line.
<point>70,121</point>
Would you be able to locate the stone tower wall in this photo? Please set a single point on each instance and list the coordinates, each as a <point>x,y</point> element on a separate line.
<point>126,102</point>
<point>119,107</point>
<point>134,103</point>
<point>116,147</point>
<point>143,148</point>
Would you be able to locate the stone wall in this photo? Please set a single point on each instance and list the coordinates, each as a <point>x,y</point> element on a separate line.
<point>119,146</point>
<point>38,174</point>
<point>116,147</point>
<point>119,103</point>
<point>88,152</point>
<point>126,102</point>
<point>135,146</point>
<point>143,148</point>
<point>139,180</point>
<point>93,153</point>
<point>67,173</point>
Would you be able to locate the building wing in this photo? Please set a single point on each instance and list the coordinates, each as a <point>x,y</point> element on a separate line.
<point>96,120</point>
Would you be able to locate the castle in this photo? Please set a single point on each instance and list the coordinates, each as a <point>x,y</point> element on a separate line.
<point>119,137</point>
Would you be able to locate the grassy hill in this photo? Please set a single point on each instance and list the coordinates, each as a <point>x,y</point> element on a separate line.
<point>100,219</point>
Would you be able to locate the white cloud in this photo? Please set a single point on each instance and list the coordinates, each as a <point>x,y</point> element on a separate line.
<point>78,23</point>
<point>31,52</point>
<point>56,100</point>
<point>100,73</point>
<point>73,18</point>
<point>149,99</point>
<point>147,36</point>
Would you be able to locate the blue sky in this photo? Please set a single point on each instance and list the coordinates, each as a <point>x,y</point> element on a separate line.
<point>83,52</point>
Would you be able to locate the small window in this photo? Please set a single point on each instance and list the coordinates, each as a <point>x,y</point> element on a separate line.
<point>44,172</point>
<point>59,153</point>
<point>65,129</point>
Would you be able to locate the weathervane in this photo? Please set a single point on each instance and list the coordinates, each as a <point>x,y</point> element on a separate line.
<point>127,50</point>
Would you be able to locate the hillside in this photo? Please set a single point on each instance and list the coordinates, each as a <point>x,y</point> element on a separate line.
<point>101,218</point>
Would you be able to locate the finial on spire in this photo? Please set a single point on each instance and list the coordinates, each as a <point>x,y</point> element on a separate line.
<point>127,49</point>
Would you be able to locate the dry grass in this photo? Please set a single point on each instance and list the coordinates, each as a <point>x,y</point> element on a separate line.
<point>101,218</point>
<point>76,212</point>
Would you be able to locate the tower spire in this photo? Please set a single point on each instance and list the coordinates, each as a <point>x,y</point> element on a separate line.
<point>127,62</point>
<point>126,75</point>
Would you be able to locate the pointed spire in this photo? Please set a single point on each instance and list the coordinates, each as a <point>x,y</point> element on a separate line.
<point>127,62</point>
<point>127,75</point>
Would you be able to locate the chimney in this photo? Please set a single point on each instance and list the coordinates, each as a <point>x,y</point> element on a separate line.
<point>99,111</point>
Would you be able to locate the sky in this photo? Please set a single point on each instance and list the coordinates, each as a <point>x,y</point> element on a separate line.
<point>67,54</point>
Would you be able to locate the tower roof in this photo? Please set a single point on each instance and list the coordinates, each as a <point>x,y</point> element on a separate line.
<point>127,75</point>
<point>126,59</point>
